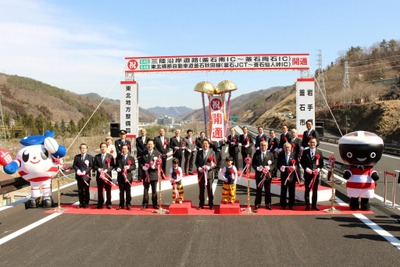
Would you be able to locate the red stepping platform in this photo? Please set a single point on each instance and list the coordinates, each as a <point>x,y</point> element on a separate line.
<point>181,209</point>
<point>229,208</point>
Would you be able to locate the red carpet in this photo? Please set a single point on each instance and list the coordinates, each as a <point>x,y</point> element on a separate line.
<point>276,211</point>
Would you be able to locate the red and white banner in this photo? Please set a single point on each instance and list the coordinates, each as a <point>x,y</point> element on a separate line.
<point>241,62</point>
<point>216,107</point>
<point>305,103</point>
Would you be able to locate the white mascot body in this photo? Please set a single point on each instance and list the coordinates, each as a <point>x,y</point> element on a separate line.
<point>37,162</point>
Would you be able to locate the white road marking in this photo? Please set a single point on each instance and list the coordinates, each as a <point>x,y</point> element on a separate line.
<point>385,234</point>
<point>28,228</point>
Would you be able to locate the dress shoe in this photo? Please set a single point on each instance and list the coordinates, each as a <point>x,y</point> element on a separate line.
<point>291,208</point>
<point>282,208</point>
<point>268,207</point>
<point>191,173</point>
<point>85,206</point>
<point>211,207</point>
<point>109,207</point>
<point>256,207</point>
<point>307,208</point>
<point>79,206</point>
<point>315,208</point>
<point>155,207</point>
<point>119,207</point>
<point>145,206</point>
<point>128,207</point>
<point>99,207</point>
<point>200,207</point>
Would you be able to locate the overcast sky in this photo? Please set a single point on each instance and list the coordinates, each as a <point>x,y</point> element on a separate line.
<point>80,45</point>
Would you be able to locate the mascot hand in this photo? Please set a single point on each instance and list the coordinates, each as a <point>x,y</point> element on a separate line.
<point>375,176</point>
<point>61,151</point>
<point>11,168</point>
<point>347,175</point>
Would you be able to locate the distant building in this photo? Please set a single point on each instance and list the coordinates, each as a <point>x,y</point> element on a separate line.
<point>166,120</point>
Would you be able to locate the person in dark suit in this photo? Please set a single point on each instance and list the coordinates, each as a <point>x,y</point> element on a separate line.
<point>205,164</point>
<point>246,142</point>
<point>273,147</point>
<point>178,145</point>
<point>147,163</point>
<point>199,140</point>
<point>310,132</point>
<point>260,137</point>
<point>286,163</point>
<point>312,163</point>
<point>296,148</point>
<point>190,152</point>
<point>122,141</point>
<point>216,146</point>
<point>140,147</point>
<point>285,137</point>
<point>125,166</point>
<point>162,145</point>
<point>233,146</point>
<point>82,165</point>
<point>103,163</point>
<point>263,160</point>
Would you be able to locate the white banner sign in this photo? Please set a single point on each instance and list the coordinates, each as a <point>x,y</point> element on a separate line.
<point>217,118</point>
<point>129,108</point>
<point>305,103</point>
<point>243,62</point>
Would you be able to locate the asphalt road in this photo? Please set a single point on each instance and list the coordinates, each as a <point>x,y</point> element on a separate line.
<point>164,240</point>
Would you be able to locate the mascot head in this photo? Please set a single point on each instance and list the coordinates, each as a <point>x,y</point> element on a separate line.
<point>361,148</point>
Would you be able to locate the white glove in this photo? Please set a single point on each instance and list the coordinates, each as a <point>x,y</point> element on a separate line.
<point>200,169</point>
<point>144,168</point>
<point>282,168</point>
<point>183,147</point>
<point>308,170</point>
<point>207,167</point>
<point>246,146</point>
<point>126,167</point>
<point>78,172</point>
<point>302,148</point>
<point>84,173</point>
<point>225,180</point>
<point>257,148</point>
<point>118,169</point>
<point>99,169</point>
<point>232,143</point>
<point>318,170</point>
<point>268,167</point>
<point>188,150</point>
<point>259,168</point>
<point>153,166</point>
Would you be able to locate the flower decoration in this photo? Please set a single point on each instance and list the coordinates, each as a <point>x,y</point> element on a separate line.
<point>210,159</point>
<point>293,161</point>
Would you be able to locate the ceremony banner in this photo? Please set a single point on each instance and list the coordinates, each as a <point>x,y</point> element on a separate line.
<point>305,103</point>
<point>129,108</point>
<point>216,107</point>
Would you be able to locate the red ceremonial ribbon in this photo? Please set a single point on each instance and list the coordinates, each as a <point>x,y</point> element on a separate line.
<point>265,171</point>
<point>317,156</point>
<point>104,176</point>
<point>315,172</point>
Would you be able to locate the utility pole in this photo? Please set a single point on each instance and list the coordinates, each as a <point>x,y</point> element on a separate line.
<point>346,81</point>
<point>320,74</point>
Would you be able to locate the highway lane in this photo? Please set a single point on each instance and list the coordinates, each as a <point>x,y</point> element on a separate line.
<point>310,240</point>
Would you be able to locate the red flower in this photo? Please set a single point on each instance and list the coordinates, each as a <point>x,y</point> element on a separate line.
<point>293,145</point>
<point>108,160</point>
<point>129,162</point>
<point>234,140</point>
<point>166,142</point>
<point>183,143</point>
<point>211,159</point>
<point>262,139</point>
<point>232,171</point>
<point>285,139</point>
<point>317,156</point>
<point>293,161</point>
<point>177,172</point>
<point>272,143</point>
<point>310,137</point>
<point>247,139</point>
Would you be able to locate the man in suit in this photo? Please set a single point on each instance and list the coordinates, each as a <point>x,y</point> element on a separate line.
<point>296,148</point>
<point>312,163</point>
<point>190,152</point>
<point>122,141</point>
<point>125,167</point>
<point>199,140</point>
<point>286,163</point>
<point>273,147</point>
<point>140,147</point>
<point>263,162</point>
<point>147,163</point>
<point>246,143</point>
<point>162,145</point>
<point>310,132</point>
<point>233,146</point>
<point>83,164</point>
<point>285,137</point>
<point>178,145</point>
<point>205,164</point>
<point>260,137</point>
<point>103,163</point>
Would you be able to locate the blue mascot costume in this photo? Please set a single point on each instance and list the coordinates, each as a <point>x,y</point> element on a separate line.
<point>361,151</point>
<point>37,162</point>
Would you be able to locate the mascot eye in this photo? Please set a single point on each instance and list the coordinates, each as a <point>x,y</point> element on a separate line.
<point>349,155</point>
<point>372,155</point>
<point>44,154</point>
<point>25,156</point>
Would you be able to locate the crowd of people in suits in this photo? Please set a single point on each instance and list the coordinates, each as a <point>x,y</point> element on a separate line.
<point>266,155</point>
